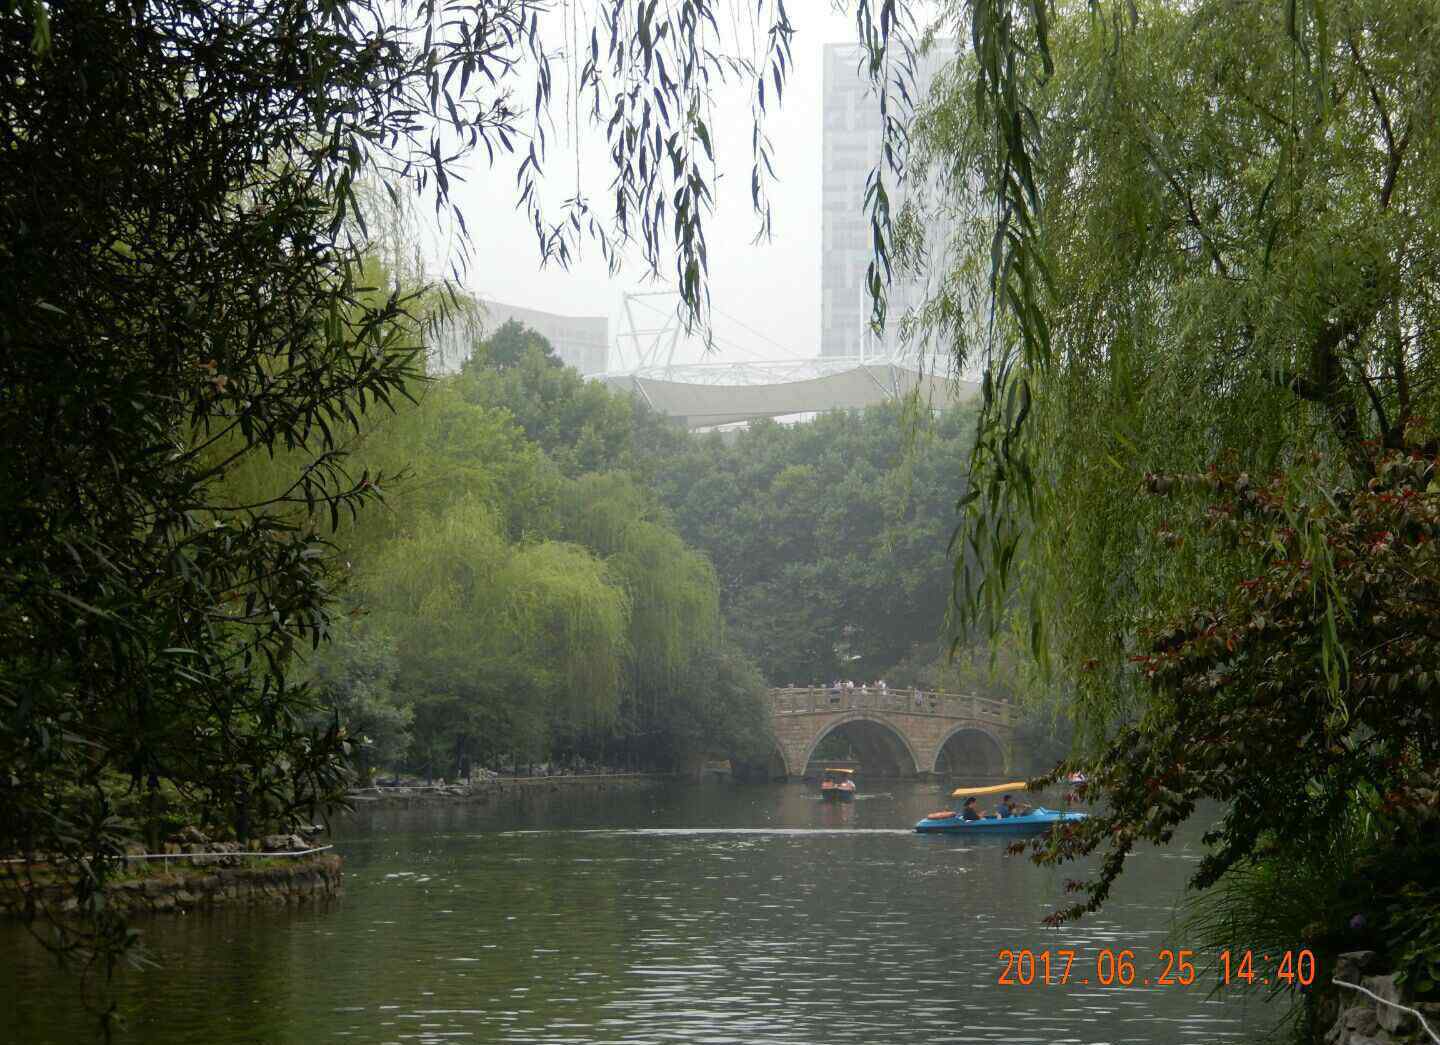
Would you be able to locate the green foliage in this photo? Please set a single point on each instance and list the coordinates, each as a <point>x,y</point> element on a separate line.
<point>673,590</point>
<point>1244,710</point>
<point>999,673</point>
<point>1225,217</point>
<point>1193,237</point>
<point>1413,928</point>
<point>175,297</point>
<point>1369,885</point>
<point>1272,906</point>
<point>509,346</point>
<point>581,426</point>
<point>534,614</point>
<point>720,706</point>
<point>494,637</point>
<point>829,537</point>
<point>354,678</point>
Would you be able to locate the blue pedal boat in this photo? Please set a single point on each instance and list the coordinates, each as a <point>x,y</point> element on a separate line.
<point>1032,822</point>
<point>1037,821</point>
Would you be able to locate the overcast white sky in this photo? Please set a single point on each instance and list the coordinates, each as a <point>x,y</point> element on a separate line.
<point>774,287</point>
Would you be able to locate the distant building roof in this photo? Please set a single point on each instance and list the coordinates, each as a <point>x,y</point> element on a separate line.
<point>581,341</point>
<point>704,406</point>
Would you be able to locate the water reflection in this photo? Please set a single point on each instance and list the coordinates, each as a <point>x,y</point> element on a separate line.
<point>715,914</point>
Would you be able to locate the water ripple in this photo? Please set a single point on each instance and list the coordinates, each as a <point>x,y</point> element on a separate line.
<point>696,915</point>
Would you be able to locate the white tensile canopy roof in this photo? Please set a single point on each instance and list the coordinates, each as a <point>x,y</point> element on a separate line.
<point>706,406</point>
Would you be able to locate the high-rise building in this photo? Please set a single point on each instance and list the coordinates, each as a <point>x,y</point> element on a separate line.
<point>851,148</point>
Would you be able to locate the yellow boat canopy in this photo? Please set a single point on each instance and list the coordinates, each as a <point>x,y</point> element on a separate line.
<point>994,789</point>
<point>847,772</point>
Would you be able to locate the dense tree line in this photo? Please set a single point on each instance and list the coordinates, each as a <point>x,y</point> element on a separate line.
<point>830,537</point>
<point>521,597</point>
<point>832,542</point>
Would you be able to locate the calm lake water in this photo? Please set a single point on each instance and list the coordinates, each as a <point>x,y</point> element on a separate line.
<point>707,913</point>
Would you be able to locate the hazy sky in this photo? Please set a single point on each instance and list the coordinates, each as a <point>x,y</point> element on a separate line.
<point>773,287</point>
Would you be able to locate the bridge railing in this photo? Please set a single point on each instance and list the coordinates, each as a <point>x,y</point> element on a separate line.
<point>810,700</point>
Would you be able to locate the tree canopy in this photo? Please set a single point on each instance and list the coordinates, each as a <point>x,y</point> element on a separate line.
<point>829,537</point>
<point>540,604</point>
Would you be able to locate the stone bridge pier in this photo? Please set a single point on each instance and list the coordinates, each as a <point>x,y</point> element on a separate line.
<point>896,732</point>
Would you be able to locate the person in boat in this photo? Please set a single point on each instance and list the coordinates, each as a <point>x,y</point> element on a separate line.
<point>1010,807</point>
<point>968,810</point>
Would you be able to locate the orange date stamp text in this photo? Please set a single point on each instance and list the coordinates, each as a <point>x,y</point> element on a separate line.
<point>1167,968</point>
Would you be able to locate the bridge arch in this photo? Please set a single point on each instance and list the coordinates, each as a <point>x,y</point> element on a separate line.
<point>970,750</point>
<point>879,742</point>
<point>773,764</point>
<point>777,765</point>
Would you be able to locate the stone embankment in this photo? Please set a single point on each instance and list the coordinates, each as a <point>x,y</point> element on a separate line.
<point>484,789</point>
<point>192,874</point>
<point>1351,1017</point>
<point>291,881</point>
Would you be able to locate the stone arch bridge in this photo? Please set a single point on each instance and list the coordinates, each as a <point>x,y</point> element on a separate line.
<point>896,732</point>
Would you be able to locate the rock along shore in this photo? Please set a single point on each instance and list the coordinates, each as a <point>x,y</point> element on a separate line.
<point>1349,1017</point>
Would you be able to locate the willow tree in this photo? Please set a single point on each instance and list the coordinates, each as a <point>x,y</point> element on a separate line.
<point>1184,237</point>
<point>1215,241</point>
<point>673,591</point>
<point>497,643</point>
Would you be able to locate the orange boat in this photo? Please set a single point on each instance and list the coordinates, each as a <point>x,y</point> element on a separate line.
<point>838,785</point>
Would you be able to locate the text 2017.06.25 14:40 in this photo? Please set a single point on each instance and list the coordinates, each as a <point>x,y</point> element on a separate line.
<point>1111,968</point>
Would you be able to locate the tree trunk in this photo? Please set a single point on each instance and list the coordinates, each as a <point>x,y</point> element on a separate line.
<point>242,817</point>
<point>152,816</point>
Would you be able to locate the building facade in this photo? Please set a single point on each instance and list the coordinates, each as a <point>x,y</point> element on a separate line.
<point>851,144</point>
<point>583,342</point>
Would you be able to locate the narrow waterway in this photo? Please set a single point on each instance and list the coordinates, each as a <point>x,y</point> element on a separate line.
<point>712,913</point>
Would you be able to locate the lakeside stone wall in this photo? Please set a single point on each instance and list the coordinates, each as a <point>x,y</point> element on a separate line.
<point>484,789</point>
<point>1348,1017</point>
<point>186,888</point>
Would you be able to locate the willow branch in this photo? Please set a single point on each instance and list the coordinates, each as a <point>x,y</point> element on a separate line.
<point>1394,150</point>
<point>1191,217</point>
